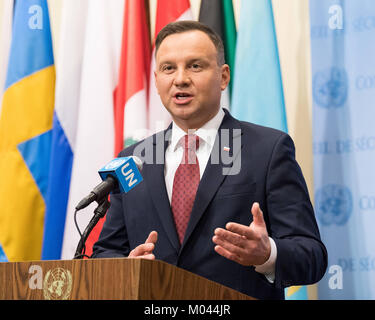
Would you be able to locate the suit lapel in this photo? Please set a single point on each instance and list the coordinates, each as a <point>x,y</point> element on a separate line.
<point>154,175</point>
<point>213,175</point>
<point>209,184</point>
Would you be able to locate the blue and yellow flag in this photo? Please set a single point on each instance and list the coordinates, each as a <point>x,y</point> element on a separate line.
<point>25,131</point>
<point>3,257</point>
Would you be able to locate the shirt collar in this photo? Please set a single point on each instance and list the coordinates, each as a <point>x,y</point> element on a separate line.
<point>206,133</point>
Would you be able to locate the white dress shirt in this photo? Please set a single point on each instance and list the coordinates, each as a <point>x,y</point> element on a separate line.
<point>173,156</point>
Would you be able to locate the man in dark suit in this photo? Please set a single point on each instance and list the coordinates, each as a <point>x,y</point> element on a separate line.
<point>222,198</point>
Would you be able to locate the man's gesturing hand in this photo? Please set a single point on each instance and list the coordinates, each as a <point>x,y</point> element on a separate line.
<point>144,250</point>
<point>246,245</point>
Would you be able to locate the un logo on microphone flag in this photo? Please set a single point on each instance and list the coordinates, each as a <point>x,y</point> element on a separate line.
<point>114,164</point>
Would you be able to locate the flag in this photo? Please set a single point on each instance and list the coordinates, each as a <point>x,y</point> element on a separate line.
<point>68,82</point>
<point>257,89</point>
<point>158,116</point>
<point>342,69</point>
<point>5,36</point>
<point>219,16</point>
<point>296,293</point>
<point>94,142</point>
<point>25,131</point>
<point>131,93</point>
<point>3,257</point>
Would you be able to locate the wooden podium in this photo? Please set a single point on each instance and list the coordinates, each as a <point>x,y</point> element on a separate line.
<point>107,279</point>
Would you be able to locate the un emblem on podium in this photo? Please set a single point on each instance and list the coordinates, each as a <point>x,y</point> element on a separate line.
<point>57,284</point>
<point>334,204</point>
<point>330,88</point>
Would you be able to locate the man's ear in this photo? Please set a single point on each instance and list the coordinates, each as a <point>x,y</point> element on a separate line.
<point>225,76</point>
<point>156,82</point>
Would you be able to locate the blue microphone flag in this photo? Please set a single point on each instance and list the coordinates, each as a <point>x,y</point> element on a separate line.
<point>125,171</point>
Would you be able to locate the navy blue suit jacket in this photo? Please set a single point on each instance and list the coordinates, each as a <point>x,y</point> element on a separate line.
<point>269,175</point>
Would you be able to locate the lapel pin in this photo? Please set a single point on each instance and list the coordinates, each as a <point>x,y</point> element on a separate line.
<point>227,149</point>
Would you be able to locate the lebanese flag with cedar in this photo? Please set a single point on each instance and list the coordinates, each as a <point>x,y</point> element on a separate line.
<point>166,12</point>
<point>130,110</point>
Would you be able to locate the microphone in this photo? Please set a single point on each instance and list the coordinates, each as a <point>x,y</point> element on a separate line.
<point>119,175</point>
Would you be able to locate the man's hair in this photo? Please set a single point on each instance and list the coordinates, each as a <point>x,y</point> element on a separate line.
<point>188,25</point>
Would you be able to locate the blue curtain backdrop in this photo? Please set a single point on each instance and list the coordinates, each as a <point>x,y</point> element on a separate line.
<point>343,79</point>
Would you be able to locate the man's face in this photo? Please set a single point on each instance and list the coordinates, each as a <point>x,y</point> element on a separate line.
<point>189,79</point>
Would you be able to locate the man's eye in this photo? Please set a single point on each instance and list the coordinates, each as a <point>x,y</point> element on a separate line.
<point>167,68</point>
<point>196,66</point>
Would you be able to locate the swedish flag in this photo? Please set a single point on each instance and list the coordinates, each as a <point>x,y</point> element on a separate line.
<point>25,131</point>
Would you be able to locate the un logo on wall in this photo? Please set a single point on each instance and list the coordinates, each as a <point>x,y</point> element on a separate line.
<point>330,87</point>
<point>334,204</point>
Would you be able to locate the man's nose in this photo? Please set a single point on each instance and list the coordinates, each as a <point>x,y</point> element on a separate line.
<point>182,78</point>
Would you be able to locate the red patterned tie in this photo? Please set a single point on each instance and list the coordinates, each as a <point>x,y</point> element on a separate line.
<point>185,184</point>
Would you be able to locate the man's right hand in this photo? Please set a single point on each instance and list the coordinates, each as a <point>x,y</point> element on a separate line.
<point>144,250</point>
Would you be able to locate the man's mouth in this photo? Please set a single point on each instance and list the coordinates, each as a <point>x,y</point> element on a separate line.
<point>182,98</point>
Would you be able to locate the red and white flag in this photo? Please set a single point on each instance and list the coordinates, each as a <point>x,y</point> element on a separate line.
<point>158,116</point>
<point>94,140</point>
<point>130,109</point>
